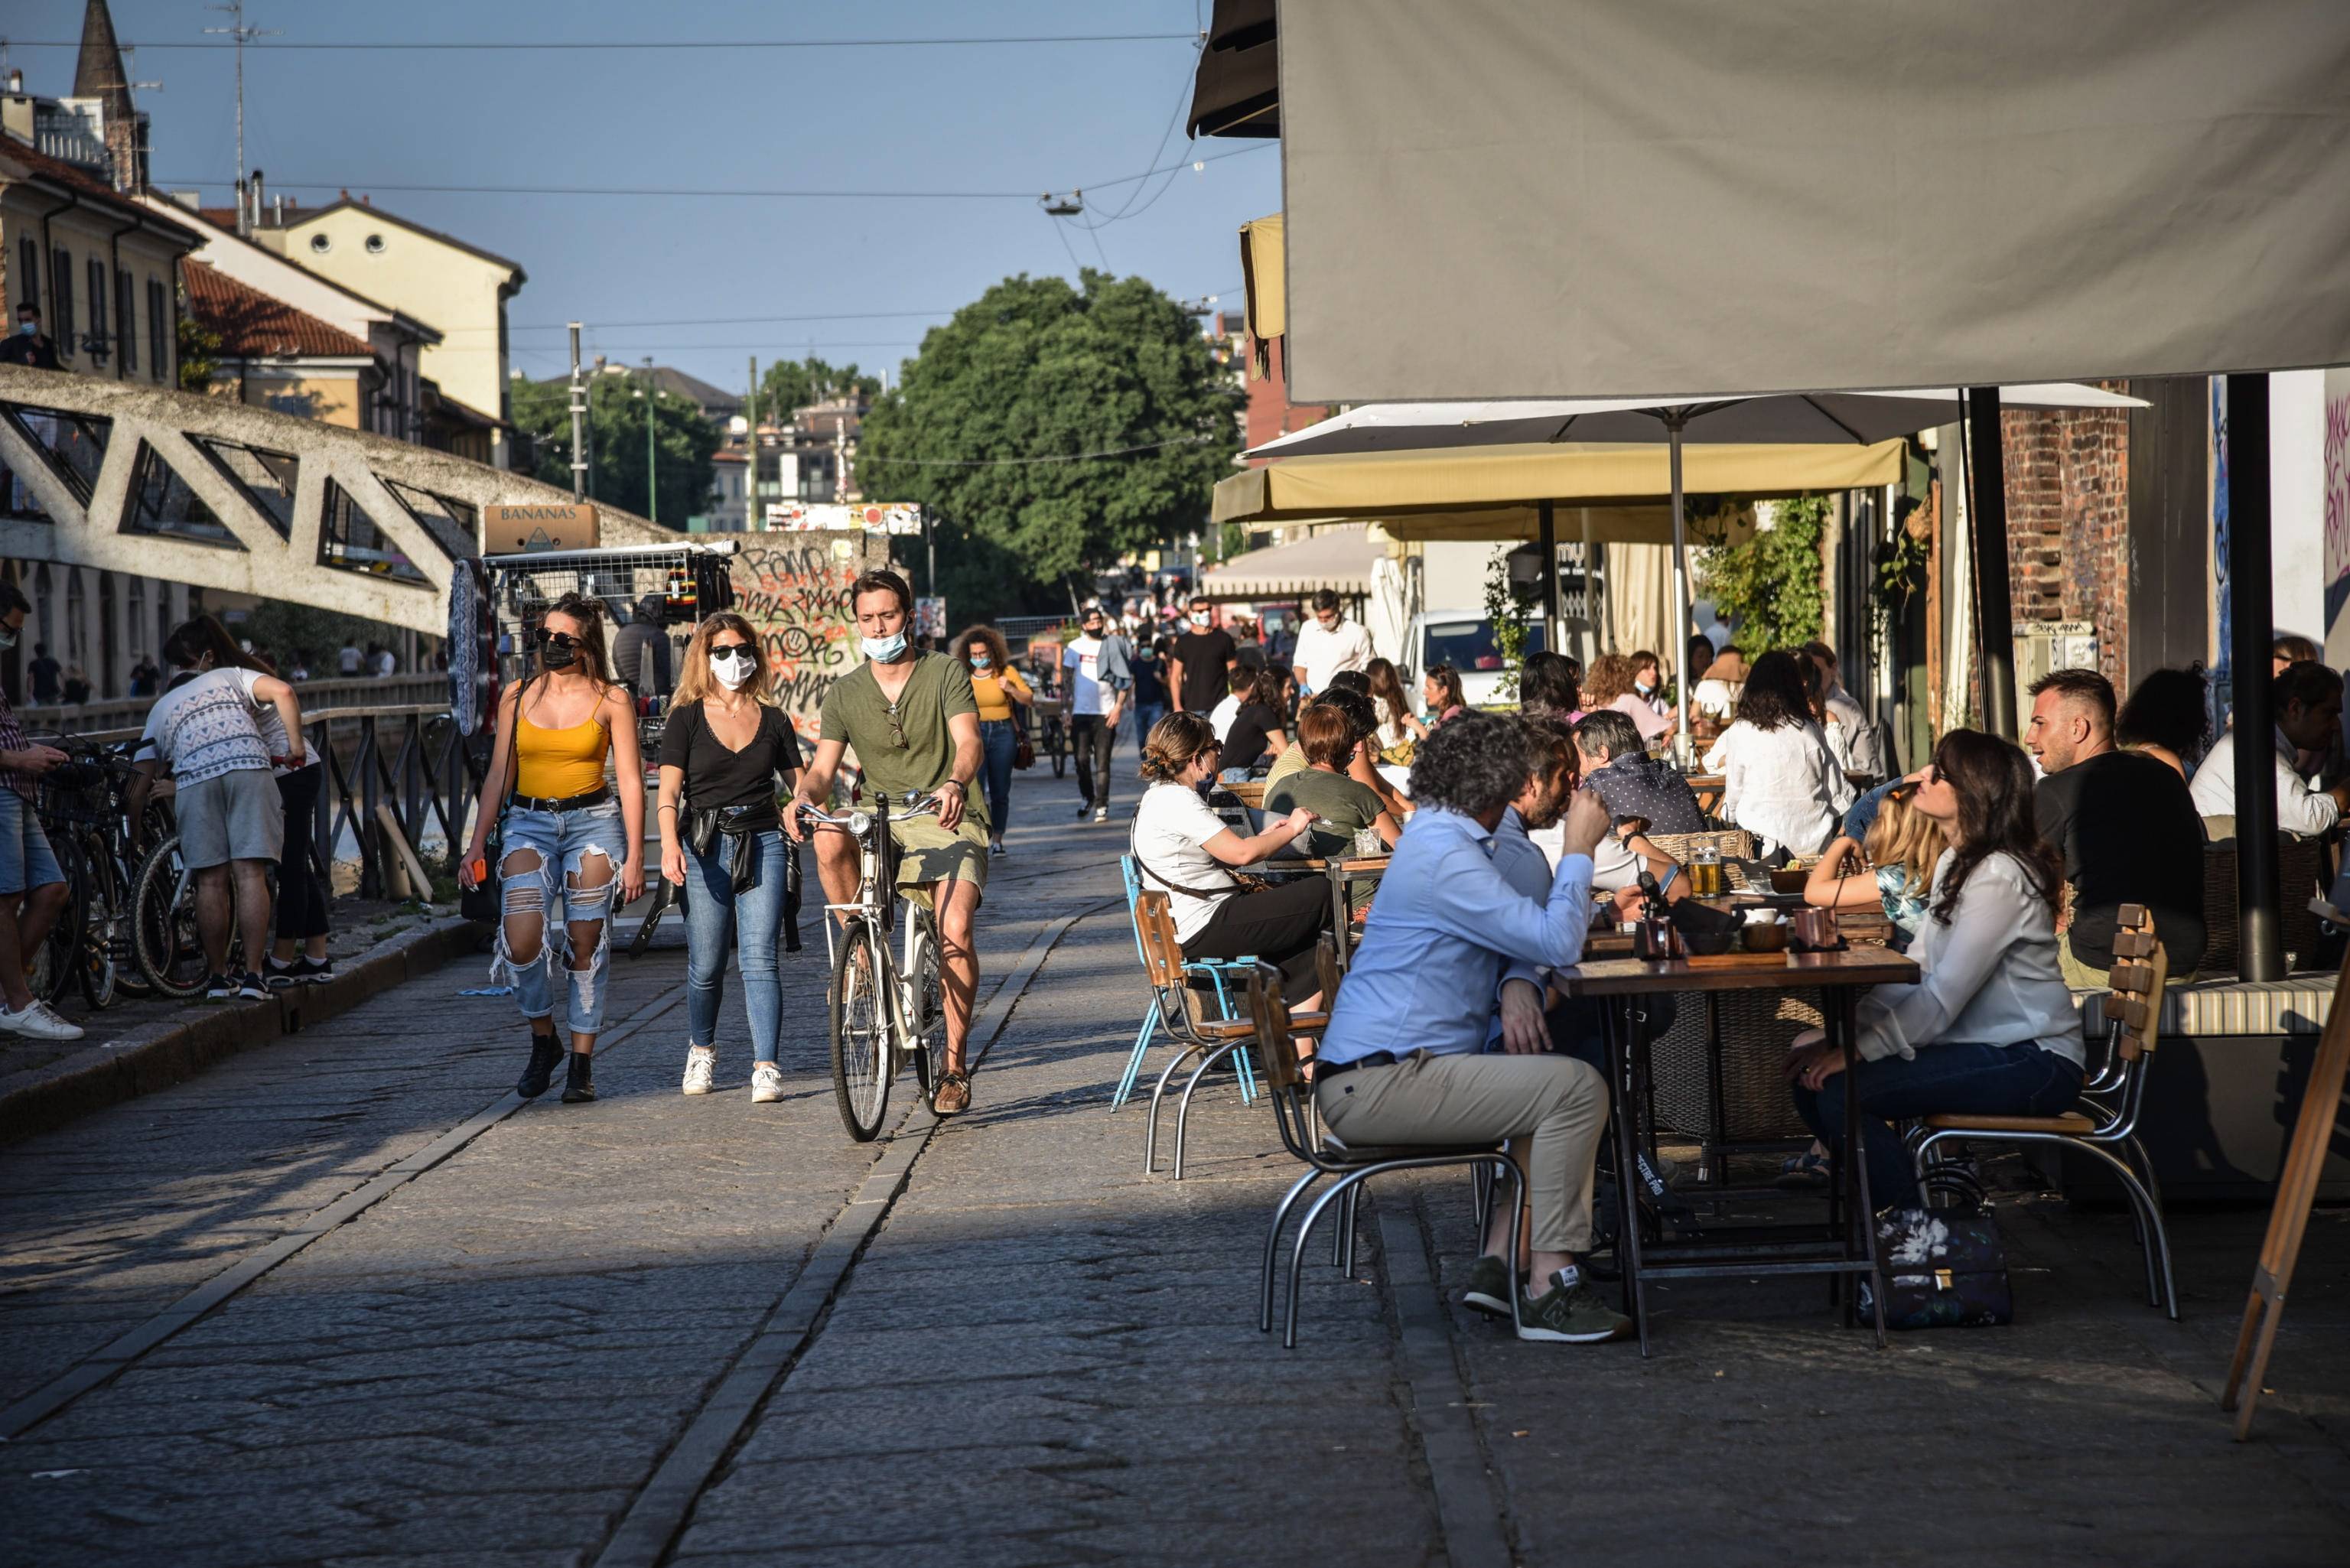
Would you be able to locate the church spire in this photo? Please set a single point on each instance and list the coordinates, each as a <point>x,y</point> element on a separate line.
<point>98,74</point>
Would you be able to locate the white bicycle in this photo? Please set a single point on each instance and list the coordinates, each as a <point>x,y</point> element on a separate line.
<point>885,1010</point>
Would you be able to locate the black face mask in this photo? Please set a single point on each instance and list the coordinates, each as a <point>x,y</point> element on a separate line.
<point>557,656</point>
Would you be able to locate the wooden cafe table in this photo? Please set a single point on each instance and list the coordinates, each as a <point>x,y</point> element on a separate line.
<point>1342,872</point>
<point>1848,1246</point>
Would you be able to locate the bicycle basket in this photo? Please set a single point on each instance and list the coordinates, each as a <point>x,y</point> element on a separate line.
<point>77,792</point>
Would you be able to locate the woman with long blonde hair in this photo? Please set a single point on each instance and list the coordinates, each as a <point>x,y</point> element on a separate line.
<point>725,746</point>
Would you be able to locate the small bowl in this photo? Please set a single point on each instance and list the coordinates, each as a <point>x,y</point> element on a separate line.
<point>1708,944</point>
<point>1772,938</point>
<point>1789,881</point>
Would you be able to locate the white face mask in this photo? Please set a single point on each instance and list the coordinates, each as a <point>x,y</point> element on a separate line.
<point>733,668</point>
<point>1201,619</point>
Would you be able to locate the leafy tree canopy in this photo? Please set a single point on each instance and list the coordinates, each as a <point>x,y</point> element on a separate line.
<point>790,384</point>
<point>683,441</point>
<point>1035,373</point>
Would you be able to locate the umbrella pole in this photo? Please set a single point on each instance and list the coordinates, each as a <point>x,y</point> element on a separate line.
<point>1674,420</point>
<point>1546,540</point>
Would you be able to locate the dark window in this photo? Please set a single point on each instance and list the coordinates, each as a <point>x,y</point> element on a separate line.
<point>265,478</point>
<point>61,285</point>
<point>75,446</point>
<point>454,525</point>
<point>162,502</point>
<point>349,539</point>
<point>125,312</point>
<point>159,358</point>
<point>98,311</point>
<point>28,263</point>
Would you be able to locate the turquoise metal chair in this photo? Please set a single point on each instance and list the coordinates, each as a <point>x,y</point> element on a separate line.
<point>1228,976</point>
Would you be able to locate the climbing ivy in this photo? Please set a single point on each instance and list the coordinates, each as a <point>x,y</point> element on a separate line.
<point>1769,587</point>
<point>1511,611</point>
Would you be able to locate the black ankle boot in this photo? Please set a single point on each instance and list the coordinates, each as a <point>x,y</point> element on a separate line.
<point>545,1051</point>
<point>579,1078</point>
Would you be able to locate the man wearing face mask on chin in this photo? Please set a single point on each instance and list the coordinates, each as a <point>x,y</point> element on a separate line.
<point>914,722</point>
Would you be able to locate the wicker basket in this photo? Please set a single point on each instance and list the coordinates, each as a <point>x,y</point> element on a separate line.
<point>2300,873</point>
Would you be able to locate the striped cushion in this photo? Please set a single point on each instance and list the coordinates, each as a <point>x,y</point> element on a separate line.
<point>2298,1005</point>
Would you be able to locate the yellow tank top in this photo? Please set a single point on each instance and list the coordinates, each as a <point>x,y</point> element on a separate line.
<point>554,765</point>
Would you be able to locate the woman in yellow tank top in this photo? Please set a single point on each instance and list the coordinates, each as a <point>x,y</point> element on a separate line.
<point>556,731</point>
<point>996,686</point>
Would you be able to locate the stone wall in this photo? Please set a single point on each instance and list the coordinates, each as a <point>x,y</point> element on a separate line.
<point>794,590</point>
<point>2068,524</point>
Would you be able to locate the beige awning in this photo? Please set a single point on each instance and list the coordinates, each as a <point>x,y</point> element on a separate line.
<point>1395,484</point>
<point>1336,559</point>
<point>1709,524</point>
<point>1261,266</point>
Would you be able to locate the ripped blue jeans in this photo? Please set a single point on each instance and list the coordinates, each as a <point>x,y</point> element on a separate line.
<point>538,848</point>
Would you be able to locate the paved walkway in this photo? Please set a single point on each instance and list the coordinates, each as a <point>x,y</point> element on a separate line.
<point>336,1301</point>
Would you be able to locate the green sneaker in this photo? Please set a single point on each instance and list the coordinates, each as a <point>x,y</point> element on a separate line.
<point>1570,1313</point>
<point>1488,1287</point>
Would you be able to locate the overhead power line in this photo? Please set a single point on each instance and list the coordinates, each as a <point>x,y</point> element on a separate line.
<point>736,192</point>
<point>519,45</point>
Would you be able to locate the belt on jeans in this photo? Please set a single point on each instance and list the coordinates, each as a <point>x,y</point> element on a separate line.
<point>1326,1070</point>
<point>595,796</point>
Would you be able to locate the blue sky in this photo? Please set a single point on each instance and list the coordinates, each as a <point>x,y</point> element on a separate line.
<point>1019,119</point>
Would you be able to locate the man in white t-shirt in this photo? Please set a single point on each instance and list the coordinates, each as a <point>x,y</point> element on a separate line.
<point>204,728</point>
<point>348,661</point>
<point>1097,679</point>
<point>1328,644</point>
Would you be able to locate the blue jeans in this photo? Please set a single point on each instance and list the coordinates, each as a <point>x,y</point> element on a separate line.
<point>757,913</point>
<point>25,860</point>
<point>1146,719</point>
<point>563,842</point>
<point>997,737</point>
<point>1965,1080</point>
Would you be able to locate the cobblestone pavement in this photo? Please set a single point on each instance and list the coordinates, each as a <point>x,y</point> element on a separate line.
<point>519,1354</point>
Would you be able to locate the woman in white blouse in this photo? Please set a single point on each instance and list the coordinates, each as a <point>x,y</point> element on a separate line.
<point>1989,1029</point>
<point>1181,848</point>
<point>1779,780</point>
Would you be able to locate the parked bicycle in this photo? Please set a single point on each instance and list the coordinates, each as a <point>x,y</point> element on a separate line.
<point>885,1012</point>
<point>86,817</point>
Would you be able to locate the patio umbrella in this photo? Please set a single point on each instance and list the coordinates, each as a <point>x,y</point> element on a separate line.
<point>1814,418</point>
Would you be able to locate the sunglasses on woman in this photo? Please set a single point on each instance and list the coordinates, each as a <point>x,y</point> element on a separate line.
<point>720,649</point>
<point>546,639</point>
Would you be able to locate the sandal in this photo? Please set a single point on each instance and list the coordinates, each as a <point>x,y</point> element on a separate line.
<point>1803,1171</point>
<point>952,1096</point>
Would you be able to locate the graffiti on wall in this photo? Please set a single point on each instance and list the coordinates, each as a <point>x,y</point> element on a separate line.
<point>2337,517</point>
<point>796,595</point>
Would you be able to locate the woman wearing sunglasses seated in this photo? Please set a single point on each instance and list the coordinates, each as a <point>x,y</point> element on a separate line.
<point>723,748</point>
<point>546,795</point>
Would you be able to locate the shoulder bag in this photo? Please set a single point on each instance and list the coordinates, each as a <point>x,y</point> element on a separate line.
<point>1944,1267</point>
<point>484,902</point>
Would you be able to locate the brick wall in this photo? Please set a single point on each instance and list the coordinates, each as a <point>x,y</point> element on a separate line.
<point>2068,524</point>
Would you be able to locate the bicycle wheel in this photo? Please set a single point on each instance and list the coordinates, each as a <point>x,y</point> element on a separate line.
<point>921,985</point>
<point>117,880</point>
<point>861,1031</point>
<point>60,962</point>
<point>1056,737</point>
<point>163,924</point>
<point>100,968</point>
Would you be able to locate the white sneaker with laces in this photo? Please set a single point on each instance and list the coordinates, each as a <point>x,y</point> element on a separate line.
<point>37,1022</point>
<point>766,1084</point>
<point>701,1063</point>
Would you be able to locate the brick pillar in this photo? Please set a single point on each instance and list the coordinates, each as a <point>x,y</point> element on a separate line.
<point>2068,524</point>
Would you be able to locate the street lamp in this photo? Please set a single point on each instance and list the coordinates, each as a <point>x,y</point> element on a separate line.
<point>652,470</point>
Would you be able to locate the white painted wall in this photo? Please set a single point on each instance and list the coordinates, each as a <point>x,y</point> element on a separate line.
<point>2297,572</point>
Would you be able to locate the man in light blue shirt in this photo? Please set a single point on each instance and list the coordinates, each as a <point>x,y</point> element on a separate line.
<point>1404,1059</point>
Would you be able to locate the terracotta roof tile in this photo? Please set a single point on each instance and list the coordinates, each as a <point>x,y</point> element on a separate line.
<point>253,325</point>
<point>36,163</point>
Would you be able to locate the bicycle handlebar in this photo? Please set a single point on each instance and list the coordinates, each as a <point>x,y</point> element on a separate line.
<point>916,806</point>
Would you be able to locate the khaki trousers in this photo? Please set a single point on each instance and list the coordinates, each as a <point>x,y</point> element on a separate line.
<point>1466,1099</point>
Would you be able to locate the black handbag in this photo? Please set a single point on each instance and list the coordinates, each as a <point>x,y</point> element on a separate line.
<point>1944,1267</point>
<point>483,901</point>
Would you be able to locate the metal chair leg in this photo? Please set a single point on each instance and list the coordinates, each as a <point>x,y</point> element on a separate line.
<point>1480,1197</point>
<point>1125,1090</point>
<point>1272,1243</point>
<point>1343,1244</point>
<point>1190,1087</point>
<point>1151,1134</point>
<point>1297,1254</point>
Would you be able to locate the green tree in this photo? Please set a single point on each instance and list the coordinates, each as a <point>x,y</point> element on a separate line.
<point>790,384</point>
<point>1769,587</point>
<point>199,348</point>
<point>1060,426</point>
<point>684,442</point>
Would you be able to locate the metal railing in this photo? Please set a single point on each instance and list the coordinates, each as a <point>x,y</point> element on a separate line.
<point>334,693</point>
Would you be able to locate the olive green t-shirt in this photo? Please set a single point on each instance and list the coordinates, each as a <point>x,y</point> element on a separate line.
<point>855,712</point>
<point>1344,808</point>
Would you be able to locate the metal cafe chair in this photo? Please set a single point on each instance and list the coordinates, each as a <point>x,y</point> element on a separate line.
<point>2105,1128</point>
<point>1226,975</point>
<point>1302,1135</point>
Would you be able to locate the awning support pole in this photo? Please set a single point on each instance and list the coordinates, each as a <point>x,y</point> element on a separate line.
<point>1675,419</point>
<point>1996,622</point>
<point>2260,934</point>
<point>1546,541</point>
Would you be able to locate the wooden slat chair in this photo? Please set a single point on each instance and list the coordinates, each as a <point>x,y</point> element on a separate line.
<point>1204,1041</point>
<point>1228,977</point>
<point>1353,1165</point>
<point>2106,1127</point>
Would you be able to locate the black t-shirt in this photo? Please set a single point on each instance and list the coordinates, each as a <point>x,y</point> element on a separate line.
<point>1244,742</point>
<point>715,776</point>
<point>2129,834</point>
<point>1207,676</point>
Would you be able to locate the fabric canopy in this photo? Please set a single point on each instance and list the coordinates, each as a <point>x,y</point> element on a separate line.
<point>1637,198</point>
<point>1814,417</point>
<point>1725,525</point>
<point>1263,261</point>
<point>1395,484</point>
<point>1235,90</point>
<point>1339,559</point>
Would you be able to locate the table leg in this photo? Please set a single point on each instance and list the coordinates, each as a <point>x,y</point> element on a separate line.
<point>1844,1009</point>
<point>1617,1022</point>
<point>1339,918</point>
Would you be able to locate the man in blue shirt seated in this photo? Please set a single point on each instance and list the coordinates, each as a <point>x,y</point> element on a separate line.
<point>1404,1058</point>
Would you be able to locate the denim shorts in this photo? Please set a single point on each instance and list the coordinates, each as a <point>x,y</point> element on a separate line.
<point>25,861</point>
<point>564,842</point>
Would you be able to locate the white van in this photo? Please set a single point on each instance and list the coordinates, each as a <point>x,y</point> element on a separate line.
<point>1464,639</point>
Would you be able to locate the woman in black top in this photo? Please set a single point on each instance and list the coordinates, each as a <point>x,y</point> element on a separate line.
<point>722,751</point>
<point>1256,729</point>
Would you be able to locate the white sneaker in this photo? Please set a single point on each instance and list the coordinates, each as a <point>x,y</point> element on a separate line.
<point>766,1084</point>
<point>37,1023</point>
<point>700,1061</point>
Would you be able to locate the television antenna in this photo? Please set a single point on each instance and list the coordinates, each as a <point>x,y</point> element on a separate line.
<point>241,33</point>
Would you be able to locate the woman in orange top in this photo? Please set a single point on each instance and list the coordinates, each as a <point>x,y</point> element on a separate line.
<point>997,686</point>
<point>547,778</point>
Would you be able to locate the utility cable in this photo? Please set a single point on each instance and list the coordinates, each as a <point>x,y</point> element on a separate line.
<point>464,46</point>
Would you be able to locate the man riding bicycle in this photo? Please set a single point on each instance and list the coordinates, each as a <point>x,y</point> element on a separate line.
<point>914,722</point>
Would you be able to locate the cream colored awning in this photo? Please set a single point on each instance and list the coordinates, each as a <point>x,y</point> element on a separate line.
<point>1262,262</point>
<point>1729,523</point>
<point>1395,484</point>
<point>1338,558</point>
